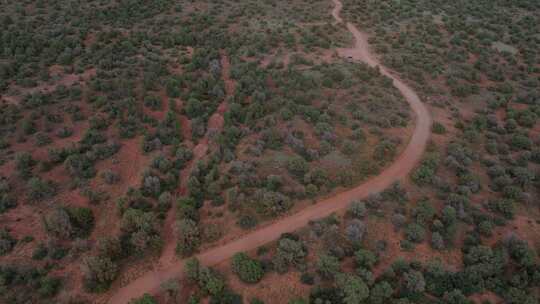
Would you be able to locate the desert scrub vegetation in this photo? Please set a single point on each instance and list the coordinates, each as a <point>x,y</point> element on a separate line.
<point>208,282</point>
<point>22,283</point>
<point>484,267</point>
<point>309,122</point>
<point>461,49</point>
<point>144,83</point>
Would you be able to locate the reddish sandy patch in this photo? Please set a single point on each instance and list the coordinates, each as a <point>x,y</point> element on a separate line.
<point>273,289</point>
<point>90,39</point>
<point>384,230</point>
<point>129,163</point>
<point>488,296</point>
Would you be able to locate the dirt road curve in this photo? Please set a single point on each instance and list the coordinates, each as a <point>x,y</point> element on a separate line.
<point>150,282</point>
<point>337,10</point>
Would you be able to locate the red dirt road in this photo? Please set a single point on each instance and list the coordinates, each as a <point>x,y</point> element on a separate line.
<point>337,11</point>
<point>149,283</point>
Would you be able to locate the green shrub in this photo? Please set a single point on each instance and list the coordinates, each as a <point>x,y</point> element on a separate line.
<point>247,222</point>
<point>248,270</point>
<point>189,237</point>
<point>328,266</point>
<point>69,222</point>
<point>82,219</point>
<point>504,207</point>
<point>145,299</point>
<point>365,258</point>
<point>297,167</point>
<point>289,252</point>
<point>40,252</point>
<point>98,273</point>
<point>357,209</point>
<point>7,242</point>
<point>49,287</point>
<point>23,164</point>
<point>438,128</point>
<point>415,233</point>
<point>58,223</point>
<point>424,174</point>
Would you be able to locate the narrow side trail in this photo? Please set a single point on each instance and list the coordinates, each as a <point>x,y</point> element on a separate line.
<point>215,125</point>
<point>402,166</point>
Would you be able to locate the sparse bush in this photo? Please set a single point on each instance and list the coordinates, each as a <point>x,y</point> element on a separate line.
<point>189,237</point>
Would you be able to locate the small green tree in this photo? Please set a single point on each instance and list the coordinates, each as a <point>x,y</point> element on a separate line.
<point>355,291</point>
<point>211,282</point>
<point>247,269</point>
<point>328,266</point>
<point>171,288</point>
<point>365,258</point>
<point>98,273</point>
<point>381,293</point>
<point>415,233</point>
<point>414,282</point>
<point>191,269</point>
<point>289,253</point>
<point>298,167</point>
<point>145,299</point>
<point>189,237</point>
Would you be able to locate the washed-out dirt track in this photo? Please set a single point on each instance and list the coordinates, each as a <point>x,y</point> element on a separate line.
<point>402,166</point>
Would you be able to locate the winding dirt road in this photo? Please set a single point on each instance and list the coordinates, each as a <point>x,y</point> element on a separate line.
<point>406,162</point>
